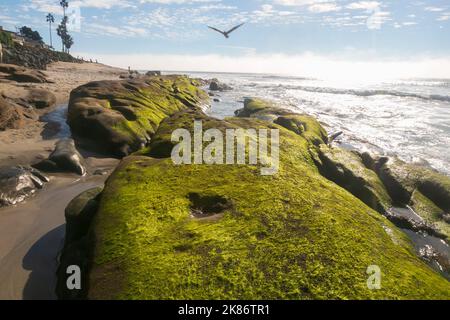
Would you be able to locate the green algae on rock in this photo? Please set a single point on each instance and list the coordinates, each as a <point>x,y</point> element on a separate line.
<point>347,169</point>
<point>301,124</point>
<point>166,231</point>
<point>425,190</point>
<point>120,117</point>
<point>225,232</point>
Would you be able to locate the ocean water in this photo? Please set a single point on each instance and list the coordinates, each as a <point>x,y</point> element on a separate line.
<point>409,118</point>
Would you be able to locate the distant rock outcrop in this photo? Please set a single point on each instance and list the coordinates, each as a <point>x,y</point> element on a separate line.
<point>34,57</point>
<point>216,85</point>
<point>153,73</point>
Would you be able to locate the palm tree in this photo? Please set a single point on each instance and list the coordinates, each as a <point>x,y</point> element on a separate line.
<point>64,4</point>
<point>63,26</point>
<point>50,20</point>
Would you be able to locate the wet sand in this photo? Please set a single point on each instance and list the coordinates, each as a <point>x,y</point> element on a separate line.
<point>32,234</point>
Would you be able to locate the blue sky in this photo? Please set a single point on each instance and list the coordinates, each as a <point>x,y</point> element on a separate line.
<point>112,30</point>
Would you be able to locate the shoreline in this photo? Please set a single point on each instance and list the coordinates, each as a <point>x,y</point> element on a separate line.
<point>32,232</point>
<point>29,235</point>
<point>27,145</point>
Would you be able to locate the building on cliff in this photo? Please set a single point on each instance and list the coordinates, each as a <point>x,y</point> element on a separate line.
<point>17,38</point>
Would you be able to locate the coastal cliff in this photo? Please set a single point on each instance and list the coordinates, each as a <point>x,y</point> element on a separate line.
<point>164,231</point>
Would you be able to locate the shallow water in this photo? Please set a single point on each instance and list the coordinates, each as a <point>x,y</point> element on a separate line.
<point>408,118</point>
<point>56,126</point>
<point>435,251</point>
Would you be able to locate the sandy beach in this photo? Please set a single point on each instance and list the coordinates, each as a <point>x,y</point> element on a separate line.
<point>27,145</point>
<point>31,233</point>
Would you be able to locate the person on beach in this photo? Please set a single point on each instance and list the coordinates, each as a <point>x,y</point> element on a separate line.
<point>1,53</point>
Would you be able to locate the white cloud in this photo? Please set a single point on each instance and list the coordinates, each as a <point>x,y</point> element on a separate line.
<point>434,9</point>
<point>177,1</point>
<point>324,7</point>
<point>299,2</point>
<point>108,30</point>
<point>364,5</point>
<point>444,17</point>
<point>377,19</point>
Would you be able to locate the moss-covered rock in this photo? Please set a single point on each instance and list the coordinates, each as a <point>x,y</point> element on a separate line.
<point>301,124</point>
<point>79,213</point>
<point>120,117</point>
<point>261,109</point>
<point>348,170</point>
<point>306,126</point>
<point>166,231</point>
<point>425,190</point>
<point>78,243</point>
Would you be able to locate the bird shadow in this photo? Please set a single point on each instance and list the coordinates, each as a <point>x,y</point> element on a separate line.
<point>41,260</point>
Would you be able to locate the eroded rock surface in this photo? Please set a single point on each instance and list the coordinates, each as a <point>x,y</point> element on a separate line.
<point>216,85</point>
<point>65,157</point>
<point>21,74</point>
<point>119,117</point>
<point>18,183</point>
<point>167,231</point>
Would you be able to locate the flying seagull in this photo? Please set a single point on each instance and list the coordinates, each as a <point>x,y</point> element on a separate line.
<point>226,34</point>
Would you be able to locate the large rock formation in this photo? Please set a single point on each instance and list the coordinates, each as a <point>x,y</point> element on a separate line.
<point>119,117</point>
<point>167,231</point>
<point>423,189</point>
<point>20,103</point>
<point>79,214</point>
<point>34,57</point>
<point>21,74</point>
<point>347,169</point>
<point>19,183</point>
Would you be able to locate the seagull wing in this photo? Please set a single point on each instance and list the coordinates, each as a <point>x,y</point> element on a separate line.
<point>231,30</point>
<point>220,31</point>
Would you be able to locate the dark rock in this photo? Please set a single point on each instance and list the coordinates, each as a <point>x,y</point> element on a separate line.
<point>346,168</point>
<point>406,222</point>
<point>217,100</point>
<point>153,73</point>
<point>18,183</point>
<point>446,217</point>
<point>41,98</point>
<point>77,245</point>
<point>34,57</point>
<point>216,85</point>
<point>423,189</point>
<point>334,136</point>
<point>47,166</point>
<point>79,213</point>
<point>65,157</point>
